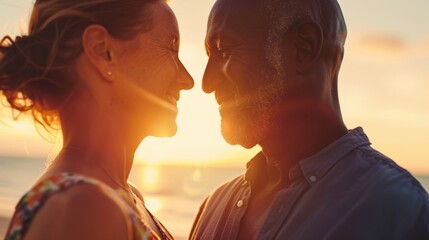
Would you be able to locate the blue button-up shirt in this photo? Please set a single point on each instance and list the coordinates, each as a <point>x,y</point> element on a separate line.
<point>346,191</point>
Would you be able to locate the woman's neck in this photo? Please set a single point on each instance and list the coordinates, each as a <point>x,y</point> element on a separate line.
<point>95,144</point>
<point>109,166</point>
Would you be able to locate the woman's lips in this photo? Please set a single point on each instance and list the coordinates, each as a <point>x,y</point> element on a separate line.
<point>173,100</point>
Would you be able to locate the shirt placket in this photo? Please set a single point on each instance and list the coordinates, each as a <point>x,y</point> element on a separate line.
<point>232,225</point>
<point>281,209</point>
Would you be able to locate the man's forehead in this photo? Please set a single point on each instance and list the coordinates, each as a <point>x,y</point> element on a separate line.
<point>239,16</point>
<point>238,7</point>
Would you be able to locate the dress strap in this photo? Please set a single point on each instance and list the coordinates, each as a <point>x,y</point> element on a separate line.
<point>165,234</point>
<point>34,199</point>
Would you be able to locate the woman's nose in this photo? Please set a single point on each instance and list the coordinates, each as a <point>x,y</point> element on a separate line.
<point>185,79</point>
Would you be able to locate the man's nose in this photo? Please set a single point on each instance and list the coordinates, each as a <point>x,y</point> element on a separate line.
<point>211,77</point>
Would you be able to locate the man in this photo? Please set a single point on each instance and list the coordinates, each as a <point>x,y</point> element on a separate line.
<point>273,67</point>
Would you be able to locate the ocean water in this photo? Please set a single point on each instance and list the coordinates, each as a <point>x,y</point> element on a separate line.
<point>172,193</point>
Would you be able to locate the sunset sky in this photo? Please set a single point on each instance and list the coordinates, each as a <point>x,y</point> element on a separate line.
<point>383,87</point>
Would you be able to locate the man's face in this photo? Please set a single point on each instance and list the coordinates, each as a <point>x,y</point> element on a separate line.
<point>245,84</point>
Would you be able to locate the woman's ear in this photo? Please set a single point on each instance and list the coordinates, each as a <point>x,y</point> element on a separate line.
<point>96,46</point>
<point>308,45</point>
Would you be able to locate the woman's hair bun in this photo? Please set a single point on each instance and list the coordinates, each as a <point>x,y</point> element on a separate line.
<point>37,73</point>
<point>22,67</point>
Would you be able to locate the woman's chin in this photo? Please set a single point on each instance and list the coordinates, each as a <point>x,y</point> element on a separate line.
<point>165,131</point>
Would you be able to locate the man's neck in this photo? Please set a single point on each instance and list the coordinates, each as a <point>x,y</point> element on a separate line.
<point>296,137</point>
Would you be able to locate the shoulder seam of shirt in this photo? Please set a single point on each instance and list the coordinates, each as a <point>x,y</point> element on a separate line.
<point>383,159</point>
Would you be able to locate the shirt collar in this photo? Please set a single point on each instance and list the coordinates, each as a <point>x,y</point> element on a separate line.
<point>256,167</point>
<point>314,167</point>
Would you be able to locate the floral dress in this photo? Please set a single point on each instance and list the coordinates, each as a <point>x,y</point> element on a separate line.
<point>34,199</point>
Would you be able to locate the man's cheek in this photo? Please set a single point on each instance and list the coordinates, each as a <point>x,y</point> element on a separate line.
<point>239,73</point>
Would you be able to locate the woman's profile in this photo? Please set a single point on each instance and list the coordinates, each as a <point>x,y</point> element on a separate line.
<point>107,73</point>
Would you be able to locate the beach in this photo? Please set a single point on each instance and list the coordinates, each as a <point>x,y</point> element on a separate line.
<point>4,222</point>
<point>172,193</point>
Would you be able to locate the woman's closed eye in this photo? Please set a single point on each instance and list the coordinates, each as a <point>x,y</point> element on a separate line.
<point>225,53</point>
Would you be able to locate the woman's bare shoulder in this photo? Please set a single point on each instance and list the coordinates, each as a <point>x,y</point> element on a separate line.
<point>136,191</point>
<point>82,212</point>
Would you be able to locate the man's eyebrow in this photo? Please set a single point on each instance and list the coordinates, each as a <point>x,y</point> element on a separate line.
<point>207,47</point>
<point>210,40</point>
<point>209,43</point>
<point>219,41</point>
<point>213,43</point>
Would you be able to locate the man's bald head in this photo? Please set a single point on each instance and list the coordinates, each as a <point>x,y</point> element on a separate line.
<point>285,14</point>
<point>273,18</point>
<point>282,14</point>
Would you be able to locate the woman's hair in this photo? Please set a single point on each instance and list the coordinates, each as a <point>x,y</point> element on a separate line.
<point>35,72</point>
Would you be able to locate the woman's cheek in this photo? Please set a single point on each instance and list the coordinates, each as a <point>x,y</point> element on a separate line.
<point>228,68</point>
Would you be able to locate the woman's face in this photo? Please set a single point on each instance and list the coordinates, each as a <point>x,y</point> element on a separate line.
<point>149,76</point>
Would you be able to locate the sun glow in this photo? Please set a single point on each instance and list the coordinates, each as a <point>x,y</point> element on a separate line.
<point>382,88</point>
<point>149,178</point>
<point>153,203</point>
<point>198,140</point>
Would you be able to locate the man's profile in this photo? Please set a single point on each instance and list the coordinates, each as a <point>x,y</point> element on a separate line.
<point>273,67</point>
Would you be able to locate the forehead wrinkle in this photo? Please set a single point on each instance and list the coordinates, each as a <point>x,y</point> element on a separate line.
<point>219,17</point>
<point>164,36</point>
<point>167,19</point>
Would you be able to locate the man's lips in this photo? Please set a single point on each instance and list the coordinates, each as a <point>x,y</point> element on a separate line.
<point>222,98</point>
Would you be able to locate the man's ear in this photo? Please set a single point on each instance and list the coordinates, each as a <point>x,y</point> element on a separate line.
<point>308,45</point>
<point>96,46</point>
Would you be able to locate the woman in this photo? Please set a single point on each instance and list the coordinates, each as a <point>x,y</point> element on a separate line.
<point>107,72</point>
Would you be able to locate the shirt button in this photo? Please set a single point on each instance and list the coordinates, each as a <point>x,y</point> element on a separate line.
<point>240,203</point>
<point>313,178</point>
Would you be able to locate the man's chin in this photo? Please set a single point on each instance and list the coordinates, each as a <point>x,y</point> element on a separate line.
<point>240,135</point>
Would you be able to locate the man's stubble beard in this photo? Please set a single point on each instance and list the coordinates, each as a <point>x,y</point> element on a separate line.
<point>249,121</point>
